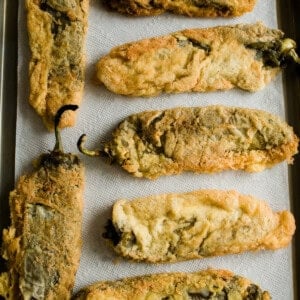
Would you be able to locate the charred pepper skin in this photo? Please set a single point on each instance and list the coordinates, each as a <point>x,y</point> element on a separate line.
<point>43,244</point>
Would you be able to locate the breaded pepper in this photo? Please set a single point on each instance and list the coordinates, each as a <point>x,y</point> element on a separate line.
<point>245,56</point>
<point>42,246</point>
<point>208,284</point>
<point>199,139</point>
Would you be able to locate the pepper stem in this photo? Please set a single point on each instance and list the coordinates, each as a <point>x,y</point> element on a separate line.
<point>288,47</point>
<point>58,143</point>
<point>85,151</point>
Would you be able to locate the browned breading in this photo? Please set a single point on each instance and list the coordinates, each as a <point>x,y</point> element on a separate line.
<point>198,224</point>
<point>194,8</point>
<point>209,284</point>
<point>196,60</point>
<point>56,32</point>
<point>42,246</point>
<point>200,139</point>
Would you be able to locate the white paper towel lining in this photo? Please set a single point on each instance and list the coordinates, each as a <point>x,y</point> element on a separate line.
<point>101,111</point>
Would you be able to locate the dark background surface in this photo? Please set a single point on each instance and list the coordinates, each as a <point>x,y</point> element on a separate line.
<point>8,103</point>
<point>289,22</point>
<point>289,18</point>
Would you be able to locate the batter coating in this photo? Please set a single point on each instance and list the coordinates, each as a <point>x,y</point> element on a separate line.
<point>197,60</point>
<point>56,32</point>
<point>198,224</point>
<point>42,246</point>
<point>209,284</point>
<point>200,139</point>
<point>195,8</point>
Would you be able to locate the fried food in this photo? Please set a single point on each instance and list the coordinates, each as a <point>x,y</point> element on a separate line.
<point>209,284</point>
<point>197,60</point>
<point>198,8</point>
<point>42,246</point>
<point>56,32</point>
<point>198,224</point>
<point>199,139</point>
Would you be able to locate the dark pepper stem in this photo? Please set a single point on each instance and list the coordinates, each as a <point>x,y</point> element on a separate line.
<point>288,47</point>
<point>276,53</point>
<point>58,143</point>
<point>85,151</point>
<point>111,233</point>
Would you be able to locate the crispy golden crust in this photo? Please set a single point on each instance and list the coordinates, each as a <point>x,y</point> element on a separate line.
<point>202,8</point>
<point>43,244</point>
<point>201,139</point>
<point>198,60</point>
<point>209,284</point>
<point>56,37</point>
<point>198,224</point>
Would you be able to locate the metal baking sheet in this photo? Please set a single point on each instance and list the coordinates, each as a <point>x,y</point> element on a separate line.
<point>8,102</point>
<point>289,22</point>
<point>287,10</point>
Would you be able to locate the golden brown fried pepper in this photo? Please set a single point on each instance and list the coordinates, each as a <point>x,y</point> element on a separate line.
<point>43,244</point>
<point>192,8</point>
<point>56,31</point>
<point>197,224</point>
<point>246,56</point>
<point>199,139</point>
<point>209,284</point>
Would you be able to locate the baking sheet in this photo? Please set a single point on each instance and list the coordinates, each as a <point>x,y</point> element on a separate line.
<point>289,21</point>
<point>101,111</point>
<point>8,100</point>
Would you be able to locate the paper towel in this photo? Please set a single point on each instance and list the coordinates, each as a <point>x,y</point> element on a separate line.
<point>101,111</point>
